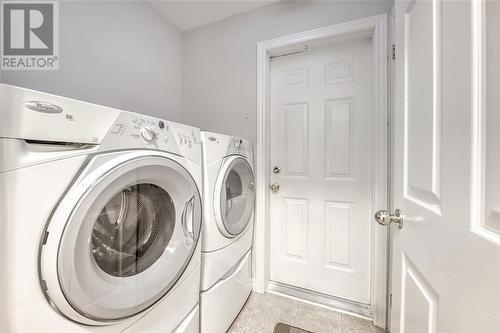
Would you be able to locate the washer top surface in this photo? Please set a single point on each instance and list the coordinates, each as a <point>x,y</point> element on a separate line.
<point>34,121</point>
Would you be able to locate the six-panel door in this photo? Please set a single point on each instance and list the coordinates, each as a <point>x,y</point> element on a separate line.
<point>446,259</point>
<point>321,140</point>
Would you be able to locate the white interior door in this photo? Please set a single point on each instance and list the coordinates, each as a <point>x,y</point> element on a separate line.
<point>446,258</point>
<point>321,142</point>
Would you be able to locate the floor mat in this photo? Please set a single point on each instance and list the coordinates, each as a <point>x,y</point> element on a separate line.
<point>284,328</point>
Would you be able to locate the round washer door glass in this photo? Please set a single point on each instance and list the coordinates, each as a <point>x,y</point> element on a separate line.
<point>129,238</point>
<point>133,229</point>
<point>237,196</point>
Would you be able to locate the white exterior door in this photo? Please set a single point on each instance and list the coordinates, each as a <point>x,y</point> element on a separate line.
<point>321,142</point>
<point>446,258</point>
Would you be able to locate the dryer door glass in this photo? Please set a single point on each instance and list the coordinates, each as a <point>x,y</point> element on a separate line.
<point>237,196</point>
<point>129,238</point>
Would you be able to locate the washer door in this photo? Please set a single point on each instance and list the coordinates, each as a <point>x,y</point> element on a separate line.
<point>234,196</point>
<point>129,238</point>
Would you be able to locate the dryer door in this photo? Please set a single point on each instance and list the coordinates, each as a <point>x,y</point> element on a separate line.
<point>129,233</point>
<point>234,196</point>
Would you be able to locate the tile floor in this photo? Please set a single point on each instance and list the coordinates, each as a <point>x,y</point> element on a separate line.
<point>262,312</point>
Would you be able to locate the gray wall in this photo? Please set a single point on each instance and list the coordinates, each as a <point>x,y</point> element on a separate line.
<point>220,58</point>
<point>120,54</point>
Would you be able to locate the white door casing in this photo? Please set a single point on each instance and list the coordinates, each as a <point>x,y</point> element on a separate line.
<point>321,135</point>
<point>375,27</point>
<point>446,259</point>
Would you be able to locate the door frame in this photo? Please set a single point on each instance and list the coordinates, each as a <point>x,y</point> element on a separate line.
<point>376,28</point>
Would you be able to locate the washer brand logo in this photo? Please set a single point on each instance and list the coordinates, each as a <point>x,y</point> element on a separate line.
<point>42,107</point>
<point>29,35</point>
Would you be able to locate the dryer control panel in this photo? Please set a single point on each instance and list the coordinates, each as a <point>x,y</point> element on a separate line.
<point>240,147</point>
<point>217,146</point>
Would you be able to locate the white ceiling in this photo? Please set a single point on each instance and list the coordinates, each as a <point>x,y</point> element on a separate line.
<point>188,14</point>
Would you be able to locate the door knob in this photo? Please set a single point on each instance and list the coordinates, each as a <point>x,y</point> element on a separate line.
<point>385,218</point>
<point>275,187</point>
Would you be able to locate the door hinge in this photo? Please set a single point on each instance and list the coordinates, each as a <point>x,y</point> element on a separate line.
<point>393,52</point>
<point>390,300</point>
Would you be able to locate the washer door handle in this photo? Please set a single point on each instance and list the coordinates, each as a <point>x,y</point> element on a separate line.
<point>187,218</point>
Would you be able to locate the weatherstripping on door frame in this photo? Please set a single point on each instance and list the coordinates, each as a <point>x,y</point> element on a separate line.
<point>376,28</point>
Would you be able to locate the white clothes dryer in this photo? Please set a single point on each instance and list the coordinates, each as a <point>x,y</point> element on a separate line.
<point>101,218</point>
<point>228,194</point>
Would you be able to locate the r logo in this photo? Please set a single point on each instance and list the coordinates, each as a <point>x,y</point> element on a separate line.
<point>28,28</point>
<point>29,35</point>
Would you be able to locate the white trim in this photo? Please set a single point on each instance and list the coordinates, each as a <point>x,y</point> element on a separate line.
<point>478,126</point>
<point>376,27</point>
<point>330,302</point>
<point>391,110</point>
<point>430,200</point>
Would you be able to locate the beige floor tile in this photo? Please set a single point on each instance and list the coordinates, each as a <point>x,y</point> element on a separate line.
<point>271,309</point>
<point>279,305</point>
<point>317,323</point>
<point>234,329</point>
<point>250,330</point>
<point>243,317</point>
<point>352,324</point>
<point>372,329</point>
<point>254,302</point>
<point>278,299</point>
<point>265,322</point>
<point>262,312</point>
<point>319,310</point>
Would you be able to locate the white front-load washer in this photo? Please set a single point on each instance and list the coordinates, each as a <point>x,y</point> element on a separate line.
<point>228,194</point>
<point>100,218</point>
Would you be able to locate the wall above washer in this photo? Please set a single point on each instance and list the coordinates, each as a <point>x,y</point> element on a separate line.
<point>120,54</point>
<point>220,66</point>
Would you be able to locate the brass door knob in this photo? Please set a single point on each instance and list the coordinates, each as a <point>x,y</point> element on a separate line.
<point>275,187</point>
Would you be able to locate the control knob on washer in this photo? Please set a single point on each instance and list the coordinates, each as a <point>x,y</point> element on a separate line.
<point>148,133</point>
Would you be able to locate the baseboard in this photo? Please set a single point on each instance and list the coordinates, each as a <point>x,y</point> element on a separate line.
<point>337,303</point>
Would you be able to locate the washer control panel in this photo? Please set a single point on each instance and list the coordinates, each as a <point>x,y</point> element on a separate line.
<point>187,138</point>
<point>138,131</point>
